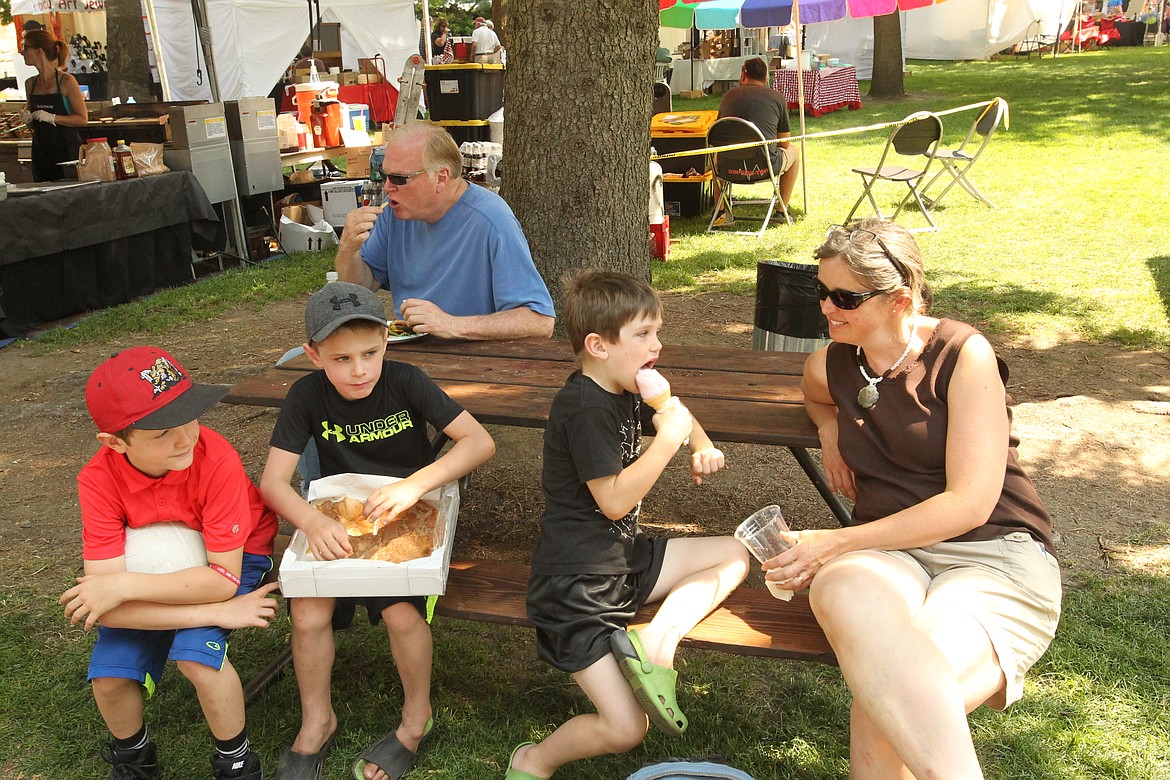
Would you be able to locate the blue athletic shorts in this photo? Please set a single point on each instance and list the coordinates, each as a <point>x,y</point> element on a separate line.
<point>138,654</point>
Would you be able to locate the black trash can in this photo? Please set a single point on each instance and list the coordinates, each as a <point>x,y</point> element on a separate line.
<point>662,100</point>
<point>788,314</point>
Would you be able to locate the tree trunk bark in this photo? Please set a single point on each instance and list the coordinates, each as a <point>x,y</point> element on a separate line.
<point>577,132</point>
<point>126,50</point>
<point>500,20</point>
<point>887,80</point>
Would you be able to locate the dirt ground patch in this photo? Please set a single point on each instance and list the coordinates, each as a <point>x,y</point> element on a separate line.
<point>1094,422</point>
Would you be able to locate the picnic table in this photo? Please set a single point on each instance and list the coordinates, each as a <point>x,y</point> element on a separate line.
<point>739,395</point>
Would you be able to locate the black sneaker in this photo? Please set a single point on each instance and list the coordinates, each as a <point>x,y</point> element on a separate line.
<point>141,764</point>
<point>246,767</point>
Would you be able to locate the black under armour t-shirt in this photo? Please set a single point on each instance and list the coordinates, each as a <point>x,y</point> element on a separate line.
<point>384,433</point>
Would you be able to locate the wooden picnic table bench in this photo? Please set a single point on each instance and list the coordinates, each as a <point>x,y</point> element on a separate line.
<point>743,396</point>
<point>749,622</point>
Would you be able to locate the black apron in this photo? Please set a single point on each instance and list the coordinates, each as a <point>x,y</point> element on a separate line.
<point>51,143</point>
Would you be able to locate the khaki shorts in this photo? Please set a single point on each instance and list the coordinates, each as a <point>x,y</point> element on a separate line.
<point>784,161</point>
<point>1010,585</point>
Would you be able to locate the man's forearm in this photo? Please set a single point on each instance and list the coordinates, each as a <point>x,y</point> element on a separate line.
<point>517,323</point>
<point>351,268</point>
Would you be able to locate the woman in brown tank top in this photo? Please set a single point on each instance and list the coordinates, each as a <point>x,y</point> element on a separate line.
<point>945,590</point>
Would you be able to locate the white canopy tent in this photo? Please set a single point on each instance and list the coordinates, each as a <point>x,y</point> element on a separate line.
<point>954,30</point>
<point>255,40</point>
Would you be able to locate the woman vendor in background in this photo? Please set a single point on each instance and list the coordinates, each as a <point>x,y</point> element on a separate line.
<point>56,108</point>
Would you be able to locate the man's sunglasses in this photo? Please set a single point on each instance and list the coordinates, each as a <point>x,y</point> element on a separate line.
<point>401,179</point>
<point>863,236</point>
<point>844,299</point>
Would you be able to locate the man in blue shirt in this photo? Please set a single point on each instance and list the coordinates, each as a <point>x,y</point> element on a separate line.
<point>452,255</point>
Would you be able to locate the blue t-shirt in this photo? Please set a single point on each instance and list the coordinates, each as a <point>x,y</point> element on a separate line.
<point>474,260</point>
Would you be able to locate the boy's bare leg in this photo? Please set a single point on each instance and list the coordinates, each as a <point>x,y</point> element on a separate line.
<point>313,651</point>
<point>411,647</point>
<point>119,700</point>
<point>221,695</point>
<point>697,575</point>
<point>618,725</point>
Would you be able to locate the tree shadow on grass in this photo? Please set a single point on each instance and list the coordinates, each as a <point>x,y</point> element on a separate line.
<point>1160,271</point>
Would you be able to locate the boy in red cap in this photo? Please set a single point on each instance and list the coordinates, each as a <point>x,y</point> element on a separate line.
<point>158,464</point>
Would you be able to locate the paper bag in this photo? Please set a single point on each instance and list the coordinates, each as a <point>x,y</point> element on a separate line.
<point>148,158</point>
<point>303,229</point>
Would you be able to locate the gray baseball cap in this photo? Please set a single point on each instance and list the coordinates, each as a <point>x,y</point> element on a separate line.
<point>338,303</point>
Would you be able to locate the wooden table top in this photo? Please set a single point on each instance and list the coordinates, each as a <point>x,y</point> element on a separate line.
<point>738,395</point>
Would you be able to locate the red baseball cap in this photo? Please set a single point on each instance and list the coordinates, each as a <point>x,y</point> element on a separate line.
<point>145,387</point>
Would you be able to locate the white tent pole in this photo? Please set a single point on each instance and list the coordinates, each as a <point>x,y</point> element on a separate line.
<point>800,100</point>
<point>158,55</point>
<point>426,31</point>
<point>203,30</point>
<point>1159,36</point>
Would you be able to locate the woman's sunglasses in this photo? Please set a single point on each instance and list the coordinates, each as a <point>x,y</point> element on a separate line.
<point>844,299</point>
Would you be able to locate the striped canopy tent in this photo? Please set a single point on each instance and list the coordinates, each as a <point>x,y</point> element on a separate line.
<point>730,14</point>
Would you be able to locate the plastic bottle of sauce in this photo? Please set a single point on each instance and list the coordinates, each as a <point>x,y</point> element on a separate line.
<point>124,162</point>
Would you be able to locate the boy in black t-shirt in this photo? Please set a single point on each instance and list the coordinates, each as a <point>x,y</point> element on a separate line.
<point>593,568</point>
<point>367,415</point>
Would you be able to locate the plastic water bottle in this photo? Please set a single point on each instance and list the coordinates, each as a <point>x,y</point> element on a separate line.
<point>331,276</point>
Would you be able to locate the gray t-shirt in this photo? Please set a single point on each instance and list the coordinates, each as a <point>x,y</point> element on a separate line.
<point>763,107</point>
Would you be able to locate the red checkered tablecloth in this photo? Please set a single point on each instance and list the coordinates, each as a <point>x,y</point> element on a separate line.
<point>827,89</point>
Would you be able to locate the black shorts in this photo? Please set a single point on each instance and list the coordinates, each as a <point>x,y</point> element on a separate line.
<point>344,608</point>
<point>575,614</point>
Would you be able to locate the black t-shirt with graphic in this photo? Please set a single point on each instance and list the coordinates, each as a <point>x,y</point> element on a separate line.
<point>591,433</point>
<point>384,433</point>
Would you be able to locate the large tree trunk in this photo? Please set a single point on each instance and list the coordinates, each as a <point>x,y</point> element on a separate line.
<point>126,50</point>
<point>887,80</point>
<point>500,20</point>
<point>576,132</point>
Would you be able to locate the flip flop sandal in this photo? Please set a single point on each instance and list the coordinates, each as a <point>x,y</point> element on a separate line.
<point>516,774</point>
<point>390,755</point>
<point>653,685</point>
<point>302,766</point>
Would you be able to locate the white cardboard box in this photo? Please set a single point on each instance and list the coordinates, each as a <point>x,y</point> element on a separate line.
<point>303,575</point>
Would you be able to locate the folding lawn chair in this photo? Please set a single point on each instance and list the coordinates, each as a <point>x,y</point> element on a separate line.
<point>918,136</point>
<point>958,162</point>
<point>750,165</point>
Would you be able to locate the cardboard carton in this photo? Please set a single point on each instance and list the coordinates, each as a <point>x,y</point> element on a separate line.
<point>303,229</point>
<point>301,575</point>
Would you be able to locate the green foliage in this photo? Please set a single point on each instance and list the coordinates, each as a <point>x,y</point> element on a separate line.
<point>5,11</point>
<point>460,15</point>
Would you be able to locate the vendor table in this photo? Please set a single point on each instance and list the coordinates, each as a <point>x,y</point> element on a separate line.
<point>381,98</point>
<point>825,90</point>
<point>706,72</point>
<point>87,247</point>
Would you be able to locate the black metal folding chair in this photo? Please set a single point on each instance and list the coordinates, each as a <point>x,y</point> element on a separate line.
<point>749,165</point>
<point>918,136</point>
<point>958,162</point>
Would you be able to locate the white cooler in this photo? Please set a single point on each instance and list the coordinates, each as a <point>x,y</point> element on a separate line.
<point>338,198</point>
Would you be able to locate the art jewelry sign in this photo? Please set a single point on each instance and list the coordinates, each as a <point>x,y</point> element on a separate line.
<point>56,6</point>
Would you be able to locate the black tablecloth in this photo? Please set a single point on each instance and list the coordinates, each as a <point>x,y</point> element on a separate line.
<point>99,245</point>
<point>1132,33</point>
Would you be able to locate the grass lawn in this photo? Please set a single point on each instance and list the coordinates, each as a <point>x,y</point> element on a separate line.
<point>1078,249</point>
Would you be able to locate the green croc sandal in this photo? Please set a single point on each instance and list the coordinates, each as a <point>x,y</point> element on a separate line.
<point>516,774</point>
<point>390,755</point>
<point>653,685</point>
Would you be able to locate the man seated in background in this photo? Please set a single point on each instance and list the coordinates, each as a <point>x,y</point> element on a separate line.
<point>765,108</point>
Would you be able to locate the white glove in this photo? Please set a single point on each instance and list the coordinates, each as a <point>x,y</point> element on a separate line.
<point>25,116</point>
<point>44,116</point>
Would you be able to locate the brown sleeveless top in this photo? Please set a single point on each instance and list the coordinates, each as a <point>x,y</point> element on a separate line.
<point>897,449</point>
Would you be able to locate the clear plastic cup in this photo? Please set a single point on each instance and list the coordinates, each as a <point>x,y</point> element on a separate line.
<point>760,533</point>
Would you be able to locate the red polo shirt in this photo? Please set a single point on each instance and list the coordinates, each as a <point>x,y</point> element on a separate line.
<point>213,495</point>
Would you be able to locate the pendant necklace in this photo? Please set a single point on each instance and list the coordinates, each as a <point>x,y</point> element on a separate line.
<point>868,395</point>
